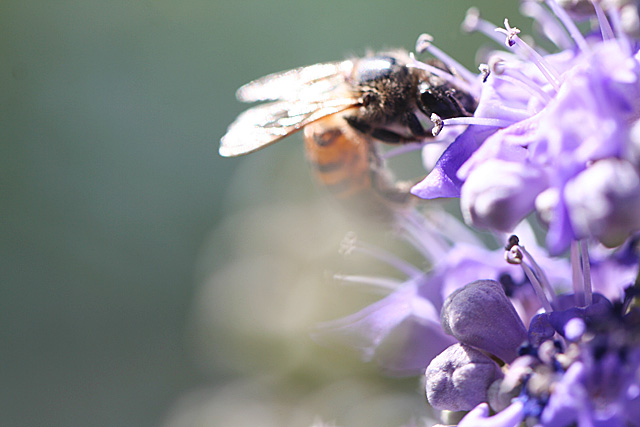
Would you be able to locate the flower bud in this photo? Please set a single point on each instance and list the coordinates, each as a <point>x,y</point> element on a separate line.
<point>459,377</point>
<point>481,315</point>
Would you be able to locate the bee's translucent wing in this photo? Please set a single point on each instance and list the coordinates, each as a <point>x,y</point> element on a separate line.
<point>268,123</point>
<point>301,83</point>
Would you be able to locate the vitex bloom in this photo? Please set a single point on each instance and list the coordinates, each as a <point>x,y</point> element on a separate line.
<point>402,332</point>
<point>557,133</point>
<point>577,365</point>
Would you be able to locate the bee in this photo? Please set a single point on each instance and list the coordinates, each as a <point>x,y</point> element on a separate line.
<point>345,110</point>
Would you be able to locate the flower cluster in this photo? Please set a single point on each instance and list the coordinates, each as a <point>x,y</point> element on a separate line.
<point>577,363</point>
<point>402,332</point>
<point>512,336</point>
<point>568,146</point>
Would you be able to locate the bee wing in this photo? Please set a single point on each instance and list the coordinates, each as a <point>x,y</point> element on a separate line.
<point>301,83</point>
<point>268,123</point>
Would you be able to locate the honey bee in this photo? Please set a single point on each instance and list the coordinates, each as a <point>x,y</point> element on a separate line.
<point>346,108</point>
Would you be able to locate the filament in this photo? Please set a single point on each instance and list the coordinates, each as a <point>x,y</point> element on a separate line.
<point>424,43</point>
<point>569,25</point>
<point>456,81</point>
<point>605,26</point>
<point>540,274</point>
<point>547,71</point>
<point>399,264</point>
<point>548,23</point>
<point>576,280</point>
<point>616,21</point>
<point>474,23</point>
<point>384,285</point>
<point>537,287</point>
<point>586,272</point>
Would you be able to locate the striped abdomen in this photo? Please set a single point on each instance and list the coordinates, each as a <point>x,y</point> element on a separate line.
<point>347,163</point>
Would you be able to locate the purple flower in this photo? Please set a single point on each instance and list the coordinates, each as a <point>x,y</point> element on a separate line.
<point>459,377</point>
<point>479,417</point>
<point>569,139</point>
<point>402,332</point>
<point>580,364</point>
<point>611,273</point>
<point>481,315</point>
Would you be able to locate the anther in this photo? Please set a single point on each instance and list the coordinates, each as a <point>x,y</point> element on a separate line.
<point>438,124</point>
<point>511,242</point>
<point>514,255</point>
<point>512,39</point>
<point>471,20</point>
<point>348,244</point>
<point>485,71</point>
<point>510,32</point>
<point>423,43</point>
<point>474,22</point>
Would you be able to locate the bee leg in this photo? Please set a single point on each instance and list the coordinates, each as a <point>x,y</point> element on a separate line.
<point>380,134</point>
<point>457,103</point>
<point>414,125</point>
<point>385,186</point>
<point>436,100</point>
<point>358,124</point>
<point>390,137</point>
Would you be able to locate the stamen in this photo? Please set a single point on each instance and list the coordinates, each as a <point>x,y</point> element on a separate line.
<point>523,84</point>
<point>549,73</point>
<point>485,71</point>
<point>621,36</point>
<point>438,123</point>
<point>569,25</point>
<point>575,269</point>
<point>428,241</point>
<point>450,228</point>
<point>454,80</point>
<point>605,27</point>
<point>511,242</point>
<point>540,274</point>
<point>474,23</point>
<point>425,43</point>
<point>518,79</point>
<point>510,32</point>
<point>350,244</point>
<point>586,272</point>
<point>515,255</point>
<point>547,23</point>
<point>384,285</point>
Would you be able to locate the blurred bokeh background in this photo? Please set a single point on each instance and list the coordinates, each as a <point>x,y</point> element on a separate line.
<point>146,281</point>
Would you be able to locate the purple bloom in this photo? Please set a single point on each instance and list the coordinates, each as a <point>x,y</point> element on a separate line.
<point>459,377</point>
<point>579,366</point>
<point>473,313</point>
<point>479,417</point>
<point>569,142</point>
<point>402,332</point>
<point>611,273</point>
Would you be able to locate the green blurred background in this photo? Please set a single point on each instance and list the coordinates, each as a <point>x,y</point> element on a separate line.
<point>145,280</point>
